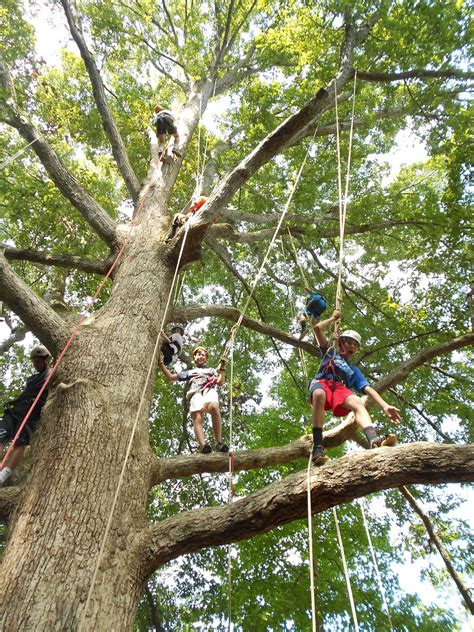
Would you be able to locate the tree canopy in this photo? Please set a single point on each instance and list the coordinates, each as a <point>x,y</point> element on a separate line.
<point>253,85</point>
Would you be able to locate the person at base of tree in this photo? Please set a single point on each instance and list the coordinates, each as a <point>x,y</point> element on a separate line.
<point>181,218</point>
<point>16,410</point>
<point>173,345</point>
<point>330,390</point>
<point>165,125</point>
<point>202,395</point>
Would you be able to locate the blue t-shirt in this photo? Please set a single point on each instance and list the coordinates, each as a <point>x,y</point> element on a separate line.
<point>346,372</point>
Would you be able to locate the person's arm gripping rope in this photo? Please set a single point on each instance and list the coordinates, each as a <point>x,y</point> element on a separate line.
<point>172,377</point>
<point>321,326</point>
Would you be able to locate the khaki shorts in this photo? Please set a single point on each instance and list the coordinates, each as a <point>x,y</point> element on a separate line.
<point>200,401</point>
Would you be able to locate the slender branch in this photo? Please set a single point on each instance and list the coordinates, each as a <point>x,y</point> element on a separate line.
<point>193,312</point>
<point>417,73</point>
<point>444,436</point>
<point>277,140</point>
<point>433,536</point>
<point>110,128</point>
<point>92,212</point>
<point>41,319</point>
<point>17,334</point>
<point>62,261</point>
<point>226,231</point>
<point>170,21</point>
<point>339,481</point>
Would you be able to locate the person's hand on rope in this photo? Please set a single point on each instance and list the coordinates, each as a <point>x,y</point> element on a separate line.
<point>161,360</point>
<point>221,366</point>
<point>392,413</point>
<point>336,315</point>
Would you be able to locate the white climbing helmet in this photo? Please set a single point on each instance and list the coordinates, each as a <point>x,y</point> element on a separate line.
<point>39,351</point>
<point>350,333</point>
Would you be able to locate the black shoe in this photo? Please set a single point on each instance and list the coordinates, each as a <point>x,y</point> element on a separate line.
<point>319,455</point>
<point>222,447</point>
<point>206,449</point>
<point>376,442</point>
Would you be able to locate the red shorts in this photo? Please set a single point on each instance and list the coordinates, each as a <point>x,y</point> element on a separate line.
<point>336,395</point>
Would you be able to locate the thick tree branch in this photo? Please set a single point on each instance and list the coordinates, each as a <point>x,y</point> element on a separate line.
<point>433,536</point>
<point>32,310</point>
<point>229,233</point>
<point>277,140</point>
<point>421,358</point>
<point>417,73</point>
<point>63,261</point>
<point>339,481</point>
<point>193,312</point>
<point>244,460</point>
<point>92,212</point>
<point>110,128</point>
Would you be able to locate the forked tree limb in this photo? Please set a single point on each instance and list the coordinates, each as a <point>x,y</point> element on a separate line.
<point>337,482</point>
<point>434,538</point>
<point>37,315</point>
<point>108,122</point>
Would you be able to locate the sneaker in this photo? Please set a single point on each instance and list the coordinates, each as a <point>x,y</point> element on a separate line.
<point>389,440</point>
<point>222,447</point>
<point>176,152</point>
<point>319,455</point>
<point>376,442</point>
<point>5,475</point>
<point>206,449</point>
<point>381,442</point>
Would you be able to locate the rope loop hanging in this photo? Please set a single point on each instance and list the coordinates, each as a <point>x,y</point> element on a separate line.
<point>343,199</point>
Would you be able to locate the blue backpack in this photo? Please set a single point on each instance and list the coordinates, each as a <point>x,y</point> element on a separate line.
<point>315,304</point>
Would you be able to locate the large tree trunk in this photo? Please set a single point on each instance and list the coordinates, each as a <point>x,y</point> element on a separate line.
<point>87,423</point>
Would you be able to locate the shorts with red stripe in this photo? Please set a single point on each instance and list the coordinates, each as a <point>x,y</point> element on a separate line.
<point>336,395</point>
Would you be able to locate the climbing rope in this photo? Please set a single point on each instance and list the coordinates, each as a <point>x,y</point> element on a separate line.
<point>10,159</point>
<point>310,547</point>
<point>243,311</point>
<point>346,570</point>
<point>376,566</point>
<point>342,200</point>
<point>80,323</point>
<point>230,343</point>
<point>134,427</point>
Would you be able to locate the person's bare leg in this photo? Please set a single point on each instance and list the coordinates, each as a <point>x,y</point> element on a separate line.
<point>318,400</point>
<point>356,405</point>
<point>197,418</point>
<point>15,456</point>
<point>216,421</point>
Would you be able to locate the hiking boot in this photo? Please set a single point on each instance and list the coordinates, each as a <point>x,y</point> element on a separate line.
<point>222,447</point>
<point>389,440</point>
<point>319,455</point>
<point>206,449</point>
<point>380,442</point>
